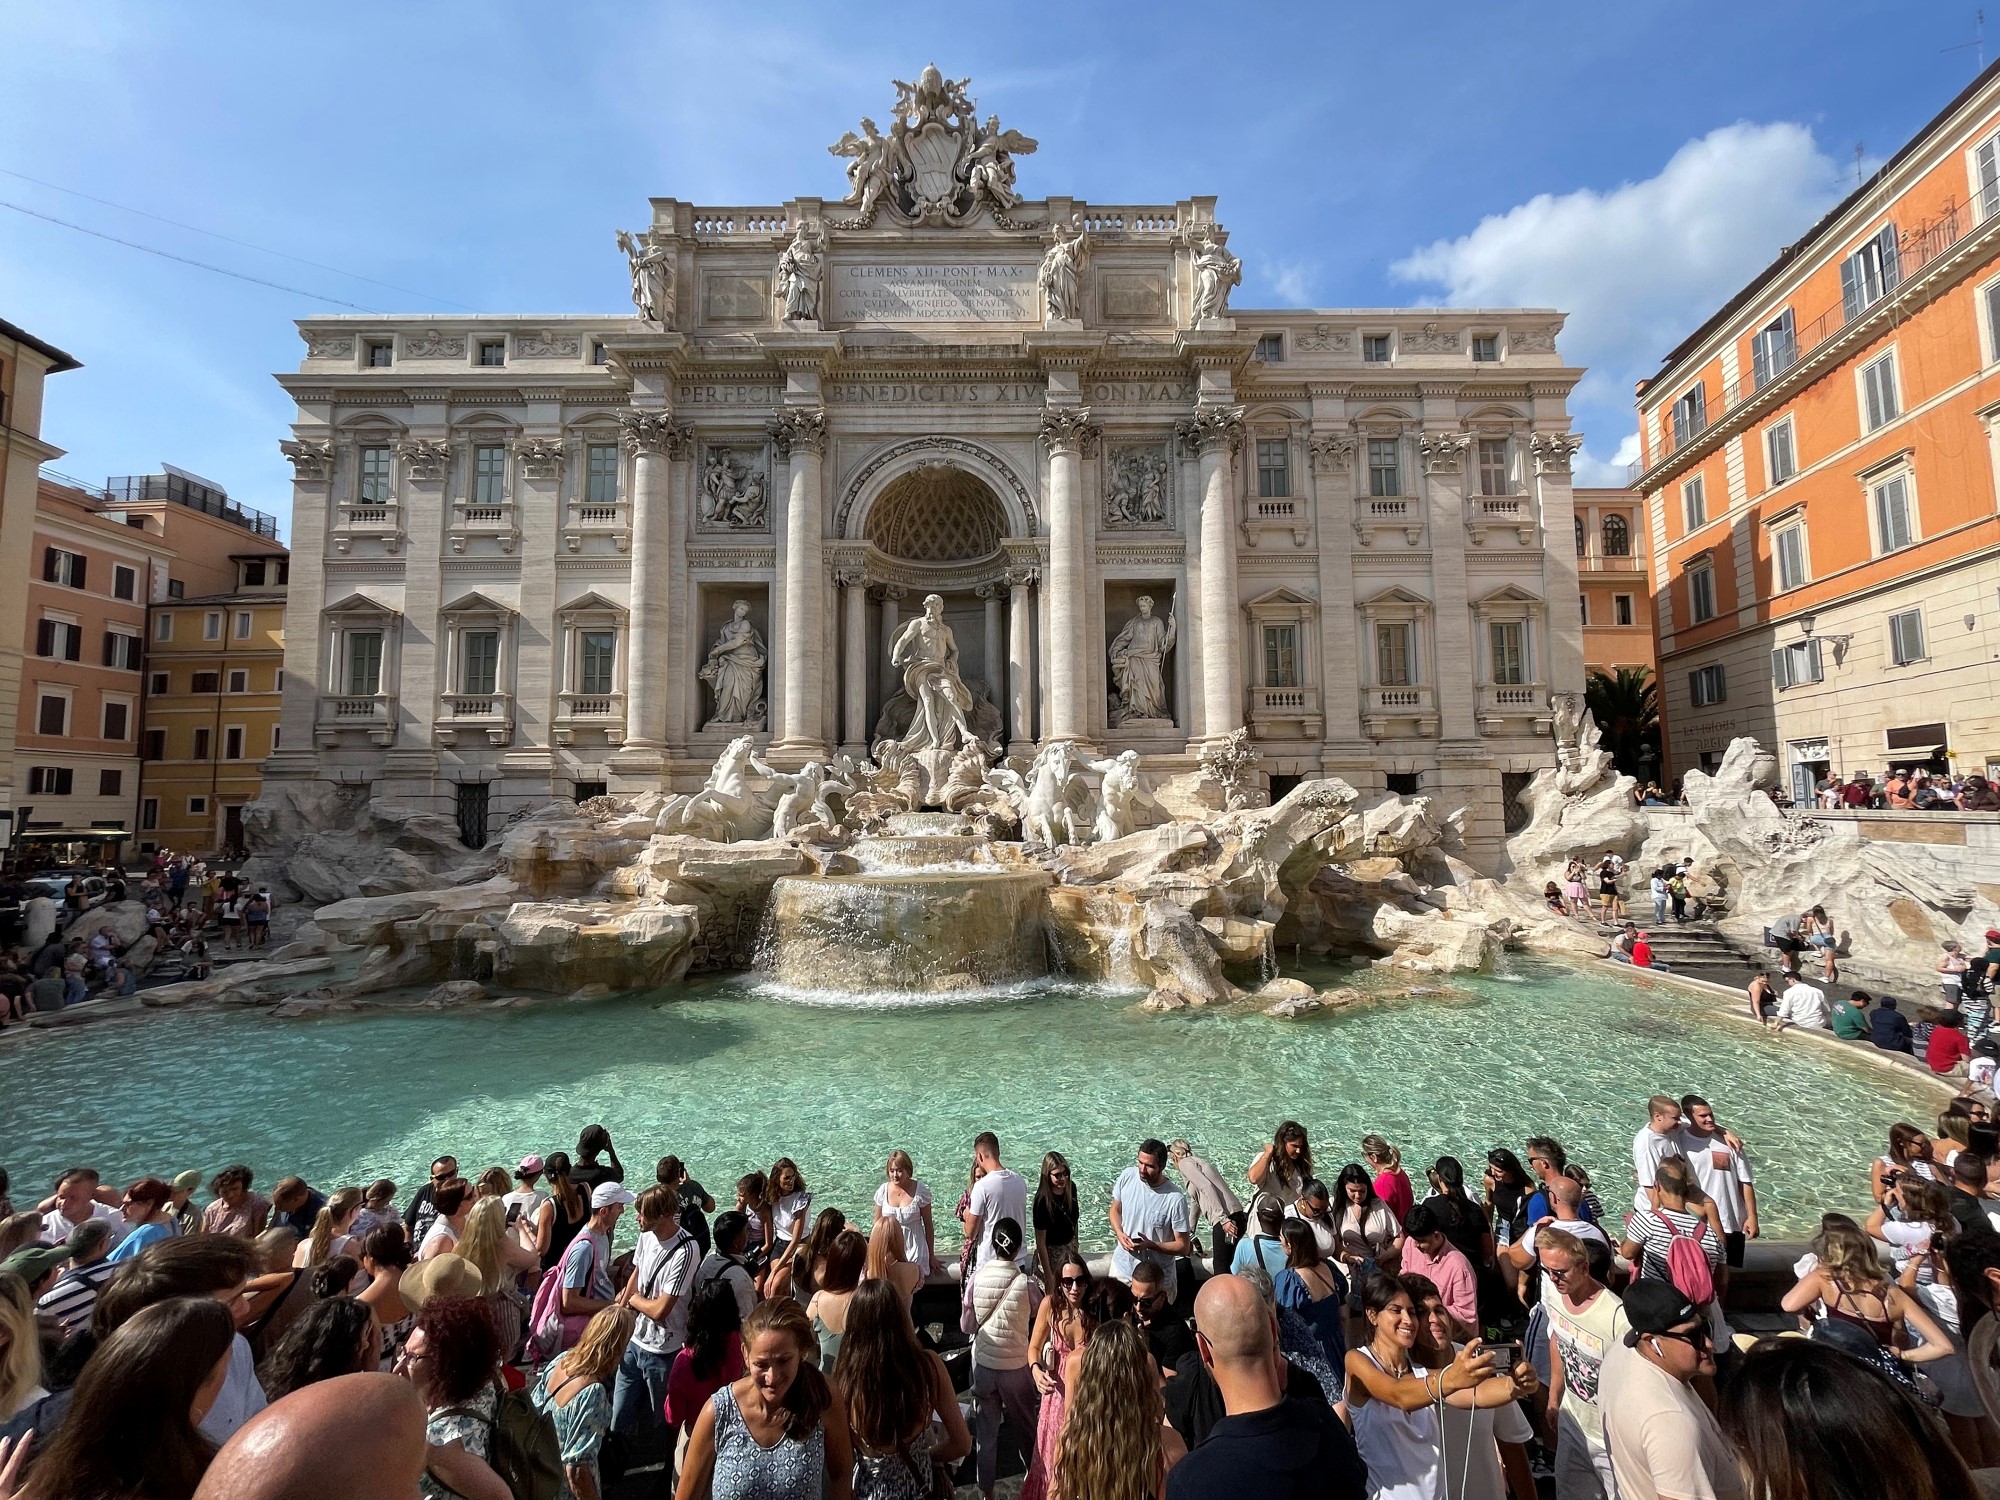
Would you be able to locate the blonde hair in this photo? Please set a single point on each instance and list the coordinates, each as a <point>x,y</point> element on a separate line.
<point>485,1227</point>
<point>602,1345</point>
<point>901,1158</point>
<point>21,1359</point>
<point>1376,1149</point>
<point>1110,1445</point>
<point>885,1249</point>
<point>342,1205</point>
<point>494,1183</point>
<point>1848,1256</point>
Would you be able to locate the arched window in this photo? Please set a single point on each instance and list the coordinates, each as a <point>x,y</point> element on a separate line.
<point>1579,536</point>
<point>1617,537</point>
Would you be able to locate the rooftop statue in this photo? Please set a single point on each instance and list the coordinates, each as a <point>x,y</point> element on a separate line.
<point>938,164</point>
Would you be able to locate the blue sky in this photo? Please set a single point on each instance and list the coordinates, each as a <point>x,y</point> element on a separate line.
<point>1632,163</point>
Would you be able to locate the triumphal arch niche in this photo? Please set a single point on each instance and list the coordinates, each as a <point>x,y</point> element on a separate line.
<point>579,551</point>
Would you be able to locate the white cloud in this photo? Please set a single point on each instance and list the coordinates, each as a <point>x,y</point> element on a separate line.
<point>1291,282</point>
<point>1602,474</point>
<point>1638,268</point>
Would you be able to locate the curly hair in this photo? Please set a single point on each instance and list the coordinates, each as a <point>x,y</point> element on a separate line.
<point>329,1338</point>
<point>464,1345</point>
<point>1110,1445</point>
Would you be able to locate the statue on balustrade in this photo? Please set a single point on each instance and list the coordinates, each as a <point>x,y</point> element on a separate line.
<point>734,672</point>
<point>799,269</point>
<point>652,266</point>
<point>1139,667</point>
<point>1215,272</point>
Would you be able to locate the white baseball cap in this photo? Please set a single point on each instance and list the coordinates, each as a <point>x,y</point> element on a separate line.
<point>607,1193</point>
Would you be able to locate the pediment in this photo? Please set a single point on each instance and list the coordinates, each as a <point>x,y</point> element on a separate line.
<point>1281,596</point>
<point>1509,593</point>
<point>1396,595</point>
<point>475,604</point>
<point>588,603</point>
<point>360,604</point>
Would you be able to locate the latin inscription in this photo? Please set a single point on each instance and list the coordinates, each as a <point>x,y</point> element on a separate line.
<point>1134,296</point>
<point>1142,392</point>
<point>934,292</point>
<point>934,392</point>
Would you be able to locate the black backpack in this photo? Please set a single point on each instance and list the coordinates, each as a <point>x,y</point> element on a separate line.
<point>522,1448</point>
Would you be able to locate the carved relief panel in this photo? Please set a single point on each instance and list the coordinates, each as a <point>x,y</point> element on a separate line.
<point>1138,487</point>
<point>734,493</point>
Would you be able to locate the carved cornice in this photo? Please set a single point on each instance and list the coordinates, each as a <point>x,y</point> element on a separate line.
<point>799,427</point>
<point>1554,451</point>
<point>540,458</point>
<point>1066,429</point>
<point>541,393</point>
<point>1212,429</point>
<point>424,459</point>
<point>431,344</point>
<point>1444,452</point>
<point>849,574</point>
<point>311,459</point>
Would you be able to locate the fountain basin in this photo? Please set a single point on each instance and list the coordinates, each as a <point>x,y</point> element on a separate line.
<point>911,932</point>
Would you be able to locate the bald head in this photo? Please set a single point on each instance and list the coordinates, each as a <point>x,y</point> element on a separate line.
<point>1565,1191</point>
<point>1234,1319</point>
<point>353,1435</point>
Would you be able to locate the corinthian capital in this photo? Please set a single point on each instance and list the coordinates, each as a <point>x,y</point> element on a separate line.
<point>648,431</point>
<point>540,457</point>
<point>1066,429</point>
<point>311,460</point>
<point>424,458</point>
<point>1216,429</point>
<point>1332,451</point>
<point>1444,452</point>
<point>1554,451</point>
<point>800,429</point>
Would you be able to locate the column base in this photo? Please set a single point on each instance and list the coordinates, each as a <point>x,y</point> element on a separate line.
<point>789,754</point>
<point>637,764</point>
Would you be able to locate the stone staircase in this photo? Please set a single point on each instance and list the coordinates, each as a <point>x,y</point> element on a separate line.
<point>1698,947</point>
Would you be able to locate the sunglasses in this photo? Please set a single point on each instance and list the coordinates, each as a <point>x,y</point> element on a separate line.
<point>1075,1280</point>
<point>1694,1338</point>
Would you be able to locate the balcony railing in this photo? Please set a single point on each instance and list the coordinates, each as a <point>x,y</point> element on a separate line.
<point>372,713</point>
<point>1514,707</point>
<point>1376,513</point>
<point>602,712</point>
<point>491,714</point>
<point>1409,710</point>
<point>1484,513</point>
<point>595,518</point>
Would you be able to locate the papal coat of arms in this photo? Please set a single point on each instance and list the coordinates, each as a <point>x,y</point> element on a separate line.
<point>938,164</point>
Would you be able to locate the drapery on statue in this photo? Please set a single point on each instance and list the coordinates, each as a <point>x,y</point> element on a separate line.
<point>1061,277</point>
<point>734,672</point>
<point>1215,272</point>
<point>799,268</point>
<point>1138,666</point>
<point>652,268</point>
<point>927,652</point>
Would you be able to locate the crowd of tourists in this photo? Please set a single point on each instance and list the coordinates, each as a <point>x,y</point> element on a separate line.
<point>1304,1329</point>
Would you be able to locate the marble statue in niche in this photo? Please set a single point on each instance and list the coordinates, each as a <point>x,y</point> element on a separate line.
<point>799,270</point>
<point>1135,489</point>
<point>734,673</point>
<point>1139,667</point>
<point>732,493</point>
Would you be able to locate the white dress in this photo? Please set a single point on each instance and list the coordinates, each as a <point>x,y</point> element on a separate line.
<point>910,1216</point>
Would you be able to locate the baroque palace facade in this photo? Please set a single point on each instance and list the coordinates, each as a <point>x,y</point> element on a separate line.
<point>557,555</point>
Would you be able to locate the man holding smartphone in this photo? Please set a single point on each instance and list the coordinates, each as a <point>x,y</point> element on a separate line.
<point>1149,1217</point>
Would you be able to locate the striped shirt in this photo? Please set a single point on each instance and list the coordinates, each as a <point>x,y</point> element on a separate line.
<point>1649,1229</point>
<point>70,1302</point>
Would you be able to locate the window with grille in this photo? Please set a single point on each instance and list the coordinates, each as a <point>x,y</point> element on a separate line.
<point>1392,654</point>
<point>1878,393</point>
<point>1788,555</point>
<point>374,487</point>
<point>596,651</point>
<point>1706,685</point>
<point>1617,533</point>
<point>1493,476</point>
<point>1274,467</point>
<point>1778,452</point>
<point>1701,594</point>
<point>489,474</point>
<point>1694,503</point>
<point>479,652</point>
<point>1870,273</point>
<point>1385,468</point>
<point>1510,652</point>
<point>1895,528</point>
<point>600,484</point>
<point>1281,656</point>
<point>1906,637</point>
<point>364,662</point>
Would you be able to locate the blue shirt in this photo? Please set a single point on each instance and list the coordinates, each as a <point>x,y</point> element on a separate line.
<point>586,1266</point>
<point>139,1239</point>
<point>1252,1248</point>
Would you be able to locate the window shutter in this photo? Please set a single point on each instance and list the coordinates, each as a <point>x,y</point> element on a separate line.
<point>72,643</point>
<point>77,572</point>
<point>49,564</point>
<point>1813,661</point>
<point>1760,359</point>
<point>1988,171</point>
<point>1850,286</point>
<point>110,649</point>
<point>1781,668</point>
<point>1885,245</point>
<point>45,638</point>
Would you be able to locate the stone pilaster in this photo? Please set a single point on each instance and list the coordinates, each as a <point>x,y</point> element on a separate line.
<point>1064,429</point>
<point>1553,453</point>
<point>801,433</point>
<point>1021,660</point>
<point>854,669</point>
<point>650,437</point>
<point>312,461</point>
<point>1216,433</point>
<point>1442,455</point>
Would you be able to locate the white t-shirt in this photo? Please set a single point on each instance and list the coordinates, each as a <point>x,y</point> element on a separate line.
<point>1158,1213</point>
<point>786,1213</point>
<point>1662,1439</point>
<point>56,1225</point>
<point>241,1398</point>
<point>1001,1194</point>
<point>663,1268</point>
<point>443,1236</point>
<point>1802,1005</point>
<point>1723,1179</point>
<point>1649,1149</point>
<point>1323,1231</point>
<point>1585,1339</point>
<point>524,1203</point>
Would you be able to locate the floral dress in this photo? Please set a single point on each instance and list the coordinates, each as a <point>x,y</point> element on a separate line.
<point>580,1424</point>
<point>470,1425</point>
<point>1041,1476</point>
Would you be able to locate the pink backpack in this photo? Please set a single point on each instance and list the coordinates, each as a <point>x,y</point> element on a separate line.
<point>1687,1265</point>
<point>549,1331</point>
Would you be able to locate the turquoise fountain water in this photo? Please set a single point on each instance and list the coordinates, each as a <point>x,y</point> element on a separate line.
<point>729,1078</point>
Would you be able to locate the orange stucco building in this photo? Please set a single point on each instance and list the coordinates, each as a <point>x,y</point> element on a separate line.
<point>1818,462</point>
<point>1616,595</point>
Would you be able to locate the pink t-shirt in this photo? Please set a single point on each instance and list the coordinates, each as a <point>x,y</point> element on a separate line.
<point>1393,1188</point>
<point>1453,1275</point>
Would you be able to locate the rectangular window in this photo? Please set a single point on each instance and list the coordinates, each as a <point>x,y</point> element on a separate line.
<point>200,751</point>
<point>205,682</point>
<point>381,354</point>
<point>244,621</point>
<point>1385,468</point>
<point>1494,478</point>
<point>364,662</point>
<point>1870,273</point>
<point>1993,319</point>
<point>1694,504</point>
<point>1779,454</point>
<point>595,652</point>
<point>232,742</point>
<point>1895,529</point>
<point>472,802</point>
<point>51,781</point>
<point>154,746</point>
<point>66,568</point>
<point>492,352</point>
<point>1878,393</point>
<point>197,807</point>
<point>1621,609</point>
<point>1690,414</point>
<point>163,627</point>
<point>1510,654</point>
<point>149,813</point>
<point>600,484</point>
<point>479,661</point>
<point>1796,664</point>
<point>1788,557</point>
<point>1281,656</point>
<point>253,575</point>
<point>110,783</point>
<point>117,720</point>
<point>158,683</point>
<point>52,714</point>
<point>1271,348</point>
<point>276,731</point>
<point>1701,594</point>
<point>1392,654</point>
<point>211,625</point>
<point>1706,686</point>
<point>374,487</point>
<point>239,680</point>
<point>489,474</point>
<point>1774,350</point>
<point>1375,348</point>
<point>598,354</point>
<point>1583,608</point>
<point>1485,348</point>
<point>1274,467</point>
<point>122,651</point>
<point>59,640</point>
<point>124,582</point>
<point>1906,637</point>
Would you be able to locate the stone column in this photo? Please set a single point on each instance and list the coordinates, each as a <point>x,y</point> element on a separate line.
<point>1064,429</point>
<point>1021,660</point>
<point>1216,433</point>
<point>649,435</point>
<point>1562,658</point>
<point>801,432</point>
<point>889,593</point>
<point>1456,649</point>
<point>307,672</point>
<point>854,671</point>
<point>995,684</point>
